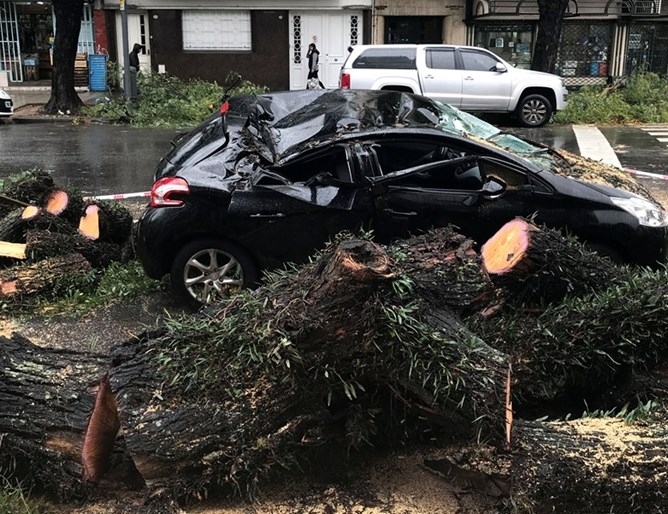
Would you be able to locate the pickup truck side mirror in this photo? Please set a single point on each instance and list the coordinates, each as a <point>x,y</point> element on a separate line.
<point>500,67</point>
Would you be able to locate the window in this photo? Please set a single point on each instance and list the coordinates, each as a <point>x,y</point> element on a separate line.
<point>478,61</point>
<point>441,59</point>
<point>216,30</point>
<point>390,58</point>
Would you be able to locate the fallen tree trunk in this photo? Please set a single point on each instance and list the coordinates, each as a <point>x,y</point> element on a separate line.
<point>535,267</point>
<point>46,397</point>
<point>43,244</point>
<point>347,350</point>
<point>26,280</point>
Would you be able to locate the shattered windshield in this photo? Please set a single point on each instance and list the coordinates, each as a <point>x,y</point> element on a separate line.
<point>454,120</point>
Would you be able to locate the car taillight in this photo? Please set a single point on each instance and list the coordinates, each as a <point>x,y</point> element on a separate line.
<point>345,81</point>
<point>224,107</point>
<point>165,189</point>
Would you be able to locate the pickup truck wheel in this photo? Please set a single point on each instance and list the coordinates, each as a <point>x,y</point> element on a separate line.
<point>534,111</point>
<point>207,270</point>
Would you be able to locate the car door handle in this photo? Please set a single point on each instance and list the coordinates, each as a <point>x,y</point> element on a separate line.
<point>400,213</point>
<point>468,78</point>
<point>429,76</point>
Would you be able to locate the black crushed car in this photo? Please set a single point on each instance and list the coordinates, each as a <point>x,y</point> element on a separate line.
<point>286,171</point>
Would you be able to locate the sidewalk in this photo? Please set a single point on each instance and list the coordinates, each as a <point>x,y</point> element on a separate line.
<point>39,92</point>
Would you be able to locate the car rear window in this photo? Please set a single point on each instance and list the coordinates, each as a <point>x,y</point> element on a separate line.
<point>393,58</point>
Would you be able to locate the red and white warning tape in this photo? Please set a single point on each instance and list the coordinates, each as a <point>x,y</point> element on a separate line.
<point>646,174</point>
<point>121,196</point>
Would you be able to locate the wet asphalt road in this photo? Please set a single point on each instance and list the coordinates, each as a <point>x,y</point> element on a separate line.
<point>105,159</point>
<point>96,159</point>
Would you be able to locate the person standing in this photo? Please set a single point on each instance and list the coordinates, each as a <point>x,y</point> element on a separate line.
<point>133,61</point>
<point>313,56</point>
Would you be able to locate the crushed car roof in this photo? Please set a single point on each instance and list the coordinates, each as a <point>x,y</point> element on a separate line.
<point>283,123</point>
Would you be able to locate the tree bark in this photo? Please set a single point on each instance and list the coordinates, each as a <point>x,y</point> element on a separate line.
<point>25,280</point>
<point>550,23</point>
<point>46,397</point>
<point>64,98</point>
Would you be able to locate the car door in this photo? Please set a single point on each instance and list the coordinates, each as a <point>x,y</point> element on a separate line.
<point>483,87</point>
<point>291,211</point>
<point>467,192</point>
<point>441,79</point>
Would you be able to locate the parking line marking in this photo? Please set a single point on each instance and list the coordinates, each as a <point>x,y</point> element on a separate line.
<point>594,145</point>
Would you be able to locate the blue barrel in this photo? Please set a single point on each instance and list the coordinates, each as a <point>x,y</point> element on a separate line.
<point>593,68</point>
<point>97,72</point>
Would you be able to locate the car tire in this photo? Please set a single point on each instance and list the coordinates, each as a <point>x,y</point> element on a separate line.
<point>534,111</point>
<point>209,269</point>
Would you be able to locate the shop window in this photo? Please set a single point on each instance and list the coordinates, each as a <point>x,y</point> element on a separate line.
<point>583,52</point>
<point>512,43</point>
<point>413,29</point>
<point>216,30</point>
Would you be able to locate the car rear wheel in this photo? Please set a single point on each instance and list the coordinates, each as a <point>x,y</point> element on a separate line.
<point>211,269</point>
<point>534,111</point>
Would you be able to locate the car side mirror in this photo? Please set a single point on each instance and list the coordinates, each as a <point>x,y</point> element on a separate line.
<point>493,188</point>
<point>500,67</point>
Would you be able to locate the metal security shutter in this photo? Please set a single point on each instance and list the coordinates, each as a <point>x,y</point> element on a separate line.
<point>10,51</point>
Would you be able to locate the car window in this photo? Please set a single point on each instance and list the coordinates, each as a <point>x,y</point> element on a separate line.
<point>332,162</point>
<point>395,155</point>
<point>458,174</point>
<point>478,61</point>
<point>513,179</point>
<point>393,58</point>
<point>441,58</point>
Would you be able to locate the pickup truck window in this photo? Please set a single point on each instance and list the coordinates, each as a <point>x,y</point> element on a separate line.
<point>478,61</point>
<point>386,58</point>
<point>441,59</point>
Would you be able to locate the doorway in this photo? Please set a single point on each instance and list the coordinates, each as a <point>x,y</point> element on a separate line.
<point>137,33</point>
<point>333,33</point>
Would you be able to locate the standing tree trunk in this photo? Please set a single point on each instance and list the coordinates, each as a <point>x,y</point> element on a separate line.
<point>64,98</point>
<point>550,23</point>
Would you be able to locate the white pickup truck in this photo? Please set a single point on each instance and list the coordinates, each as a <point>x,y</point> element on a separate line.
<point>470,78</point>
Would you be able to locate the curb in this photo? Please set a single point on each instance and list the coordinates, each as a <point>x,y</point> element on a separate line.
<point>41,119</point>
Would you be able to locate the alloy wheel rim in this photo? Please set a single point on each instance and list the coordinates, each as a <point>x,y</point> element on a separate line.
<point>212,273</point>
<point>534,112</point>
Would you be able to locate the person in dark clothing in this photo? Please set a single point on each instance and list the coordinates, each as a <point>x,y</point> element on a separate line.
<point>313,56</point>
<point>133,61</point>
<point>134,56</point>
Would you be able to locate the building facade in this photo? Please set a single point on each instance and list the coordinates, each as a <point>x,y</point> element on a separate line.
<point>266,40</point>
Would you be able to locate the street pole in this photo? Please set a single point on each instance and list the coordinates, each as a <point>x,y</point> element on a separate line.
<point>126,51</point>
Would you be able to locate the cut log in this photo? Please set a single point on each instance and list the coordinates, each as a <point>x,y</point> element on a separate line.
<point>13,250</point>
<point>92,223</point>
<point>537,266</point>
<point>43,244</point>
<point>28,280</point>
<point>56,201</point>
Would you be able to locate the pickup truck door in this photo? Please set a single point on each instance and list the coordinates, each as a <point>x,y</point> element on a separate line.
<point>439,77</point>
<point>483,88</point>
